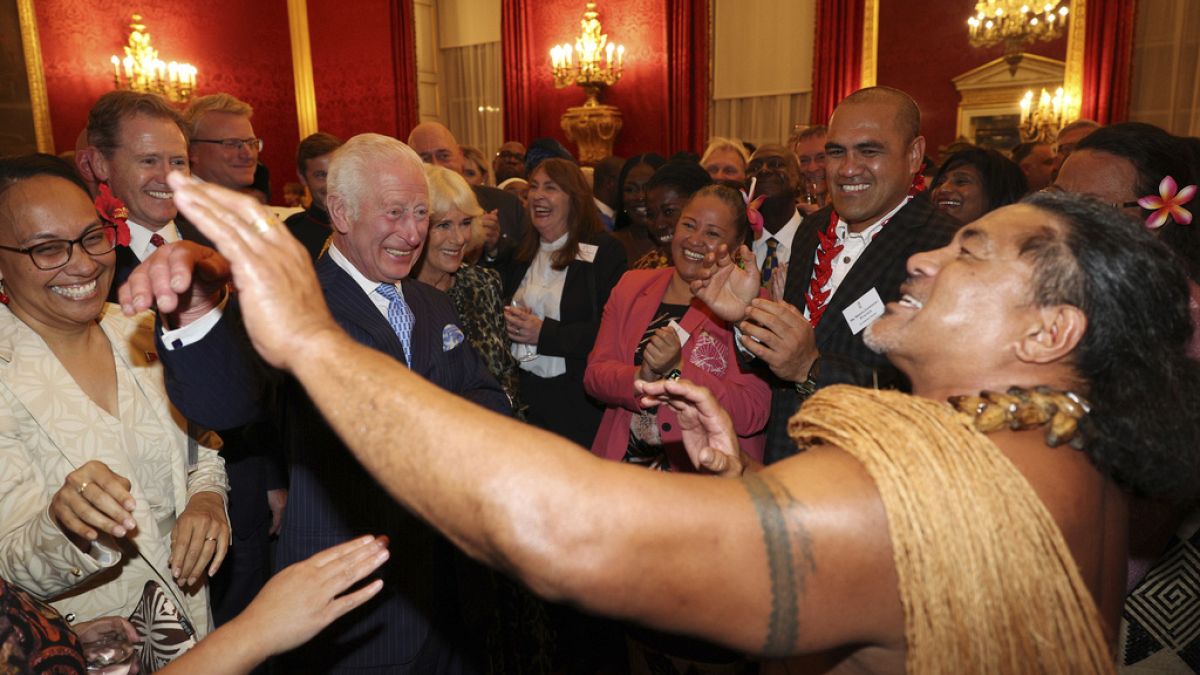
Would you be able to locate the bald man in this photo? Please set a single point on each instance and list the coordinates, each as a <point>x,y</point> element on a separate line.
<point>436,145</point>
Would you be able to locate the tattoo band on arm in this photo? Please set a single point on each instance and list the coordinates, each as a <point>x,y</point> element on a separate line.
<point>789,559</point>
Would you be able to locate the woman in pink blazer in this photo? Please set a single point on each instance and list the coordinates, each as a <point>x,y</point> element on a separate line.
<point>653,328</point>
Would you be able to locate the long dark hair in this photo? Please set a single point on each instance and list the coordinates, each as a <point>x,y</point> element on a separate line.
<point>1155,154</point>
<point>1143,430</point>
<point>654,161</point>
<point>582,221</point>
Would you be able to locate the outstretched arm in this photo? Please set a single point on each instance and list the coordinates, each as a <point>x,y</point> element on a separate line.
<point>794,559</point>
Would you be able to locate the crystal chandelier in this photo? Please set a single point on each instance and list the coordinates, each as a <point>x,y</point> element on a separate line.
<point>593,63</point>
<point>1015,23</point>
<point>142,71</point>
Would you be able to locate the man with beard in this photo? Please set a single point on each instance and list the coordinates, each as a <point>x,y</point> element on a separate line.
<point>911,535</point>
<point>509,162</point>
<point>847,259</point>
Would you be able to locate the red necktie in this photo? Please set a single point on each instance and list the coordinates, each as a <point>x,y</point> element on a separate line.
<point>157,240</point>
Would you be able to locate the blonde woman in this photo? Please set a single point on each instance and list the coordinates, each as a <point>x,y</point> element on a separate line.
<point>456,235</point>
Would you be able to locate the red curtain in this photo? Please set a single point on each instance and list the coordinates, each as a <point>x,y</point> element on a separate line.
<point>404,63</point>
<point>837,55</point>
<point>515,55</point>
<point>687,76</point>
<point>1107,60</point>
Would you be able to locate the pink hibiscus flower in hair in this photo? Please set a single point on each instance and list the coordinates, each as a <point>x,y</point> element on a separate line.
<point>113,211</point>
<point>1168,203</point>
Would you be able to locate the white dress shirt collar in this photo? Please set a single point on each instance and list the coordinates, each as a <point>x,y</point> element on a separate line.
<point>139,237</point>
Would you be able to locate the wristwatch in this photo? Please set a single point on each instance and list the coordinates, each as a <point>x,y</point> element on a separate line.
<point>809,385</point>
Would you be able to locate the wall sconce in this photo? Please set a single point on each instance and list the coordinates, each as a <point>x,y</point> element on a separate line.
<point>142,71</point>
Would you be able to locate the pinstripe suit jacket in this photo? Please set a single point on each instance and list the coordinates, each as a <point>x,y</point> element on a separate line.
<point>410,626</point>
<point>844,358</point>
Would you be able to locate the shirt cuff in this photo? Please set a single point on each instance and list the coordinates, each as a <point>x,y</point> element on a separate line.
<point>194,331</point>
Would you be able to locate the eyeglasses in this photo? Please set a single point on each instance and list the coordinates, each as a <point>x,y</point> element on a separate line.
<point>768,163</point>
<point>54,253</point>
<point>235,144</point>
<point>509,154</point>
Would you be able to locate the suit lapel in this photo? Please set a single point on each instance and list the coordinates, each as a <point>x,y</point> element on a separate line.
<point>800,260</point>
<point>354,310</point>
<point>426,338</point>
<point>870,268</point>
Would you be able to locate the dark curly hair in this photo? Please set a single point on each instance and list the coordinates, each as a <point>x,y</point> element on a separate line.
<point>1155,154</point>
<point>1003,181</point>
<point>1143,430</point>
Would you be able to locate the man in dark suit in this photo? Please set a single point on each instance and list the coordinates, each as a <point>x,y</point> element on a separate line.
<point>311,226</point>
<point>504,221</point>
<point>138,139</point>
<point>848,260</point>
<point>379,205</point>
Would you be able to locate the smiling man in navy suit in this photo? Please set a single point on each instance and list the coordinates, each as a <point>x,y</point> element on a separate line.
<point>379,207</point>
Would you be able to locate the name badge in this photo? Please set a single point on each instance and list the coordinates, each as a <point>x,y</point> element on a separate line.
<point>587,252</point>
<point>679,331</point>
<point>864,311</point>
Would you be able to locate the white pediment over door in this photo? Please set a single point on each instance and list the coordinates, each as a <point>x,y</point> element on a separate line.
<point>991,94</point>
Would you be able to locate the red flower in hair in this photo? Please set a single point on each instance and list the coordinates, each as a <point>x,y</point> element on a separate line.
<point>1168,203</point>
<point>113,210</point>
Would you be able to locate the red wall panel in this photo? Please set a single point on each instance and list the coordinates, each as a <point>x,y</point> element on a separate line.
<point>922,47</point>
<point>640,25</point>
<point>239,47</point>
<point>353,73</point>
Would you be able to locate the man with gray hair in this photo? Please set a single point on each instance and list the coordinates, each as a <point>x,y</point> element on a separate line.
<point>378,203</point>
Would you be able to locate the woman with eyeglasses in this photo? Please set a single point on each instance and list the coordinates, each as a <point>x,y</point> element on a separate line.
<point>103,488</point>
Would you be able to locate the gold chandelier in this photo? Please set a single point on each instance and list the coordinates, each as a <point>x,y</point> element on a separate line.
<point>141,70</point>
<point>593,63</point>
<point>1040,123</point>
<point>1016,23</point>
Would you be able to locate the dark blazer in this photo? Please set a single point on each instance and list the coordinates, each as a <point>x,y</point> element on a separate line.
<point>253,461</point>
<point>844,358</point>
<point>567,410</point>
<point>412,625</point>
<point>126,260</point>
<point>312,227</point>
<point>514,219</point>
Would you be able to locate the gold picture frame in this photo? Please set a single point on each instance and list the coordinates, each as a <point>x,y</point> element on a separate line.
<point>24,106</point>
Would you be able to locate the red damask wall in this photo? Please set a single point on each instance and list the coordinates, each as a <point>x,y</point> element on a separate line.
<point>353,73</point>
<point>640,25</point>
<point>922,47</point>
<point>239,47</point>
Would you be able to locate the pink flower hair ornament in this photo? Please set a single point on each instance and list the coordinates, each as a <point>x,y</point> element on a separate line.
<point>1168,203</point>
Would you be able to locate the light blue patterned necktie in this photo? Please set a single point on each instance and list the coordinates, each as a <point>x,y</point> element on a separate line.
<point>400,317</point>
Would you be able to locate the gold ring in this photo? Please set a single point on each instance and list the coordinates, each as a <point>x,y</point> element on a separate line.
<point>210,539</point>
<point>264,225</point>
<point>82,486</point>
